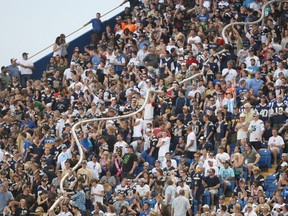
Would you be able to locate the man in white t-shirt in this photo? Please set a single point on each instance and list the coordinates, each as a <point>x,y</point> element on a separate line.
<point>183,186</point>
<point>120,145</point>
<point>280,69</point>
<point>168,157</point>
<point>229,73</point>
<point>211,165</point>
<point>163,145</point>
<point>97,192</point>
<point>68,73</point>
<point>250,56</point>
<point>26,68</point>
<point>256,130</point>
<point>94,167</point>
<point>143,189</point>
<point>193,37</point>
<point>221,157</point>
<point>191,143</point>
<point>210,157</point>
<point>149,111</point>
<point>194,90</point>
<point>137,124</point>
<point>64,155</point>
<point>275,144</point>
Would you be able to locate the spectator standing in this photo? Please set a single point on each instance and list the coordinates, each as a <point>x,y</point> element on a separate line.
<point>251,157</point>
<point>278,112</point>
<point>63,156</point>
<point>26,67</point>
<point>79,198</point>
<point>85,172</point>
<point>97,192</point>
<point>163,145</point>
<point>191,143</point>
<point>96,25</point>
<point>256,83</point>
<point>229,73</point>
<point>57,47</point>
<point>170,193</point>
<point>95,167</point>
<point>121,202</point>
<point>181,205</point>
<point>256,130</point>
<point>129,163</point>
<point>152,59</point>
<point>5,196</point>
<point>14,69</point>
<point>5,78</point>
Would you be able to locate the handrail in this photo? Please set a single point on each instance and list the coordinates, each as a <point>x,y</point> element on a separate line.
<point>77,30</point>
<point>247,23</point>
<point>73,130</point>
<point>106,119</point>
<point>140,109</point>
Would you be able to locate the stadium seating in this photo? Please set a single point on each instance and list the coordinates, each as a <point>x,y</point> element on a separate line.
<point>271,188</point>
<point>270,179</point>
<point>265,159</point>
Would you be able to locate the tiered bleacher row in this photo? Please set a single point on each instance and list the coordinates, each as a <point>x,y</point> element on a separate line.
<point>207,139</point>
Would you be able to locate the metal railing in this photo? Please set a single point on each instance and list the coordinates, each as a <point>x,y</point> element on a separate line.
<point>139,110</point>
<point>105,14</point>
<point>106,119</point>
<point>247,23</point>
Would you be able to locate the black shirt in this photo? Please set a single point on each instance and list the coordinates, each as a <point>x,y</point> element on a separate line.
<point>21,212</point>
<point>211,182</point>
<point>111,140</point>
<point>153,142</point>
<point>128,161</point>
<point>238,192</point>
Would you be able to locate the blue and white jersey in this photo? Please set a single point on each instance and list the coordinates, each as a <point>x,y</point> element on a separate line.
<point>264,111</point>
<point>271,103</point>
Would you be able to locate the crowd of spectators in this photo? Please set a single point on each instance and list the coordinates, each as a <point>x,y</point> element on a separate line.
<point>202,137</point>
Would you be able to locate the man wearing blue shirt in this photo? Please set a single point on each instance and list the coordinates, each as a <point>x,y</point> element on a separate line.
<point>146,209</point>
<point>5,196</point>
<point>13,68</point>
<point>96,25</point>
<point>80,199</point>
<point>170,193</point>
<point>181,205</point>
<point>253,68</point>
<point>256,83</point>
<point>227,175</point>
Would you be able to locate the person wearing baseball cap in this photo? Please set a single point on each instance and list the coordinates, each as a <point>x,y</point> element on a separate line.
<point>129,164</point>
<point>14,69</point>
<point>85,171</point>
<point>65,155</point>
<point>26,67</point>
<point>256,130</point>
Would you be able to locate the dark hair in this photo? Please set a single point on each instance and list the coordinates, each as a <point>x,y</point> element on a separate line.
<point>147,204</point>
<point>58,41</point>
<point>256,183</point>
<point>123,208</point>
<point>224,207</point>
